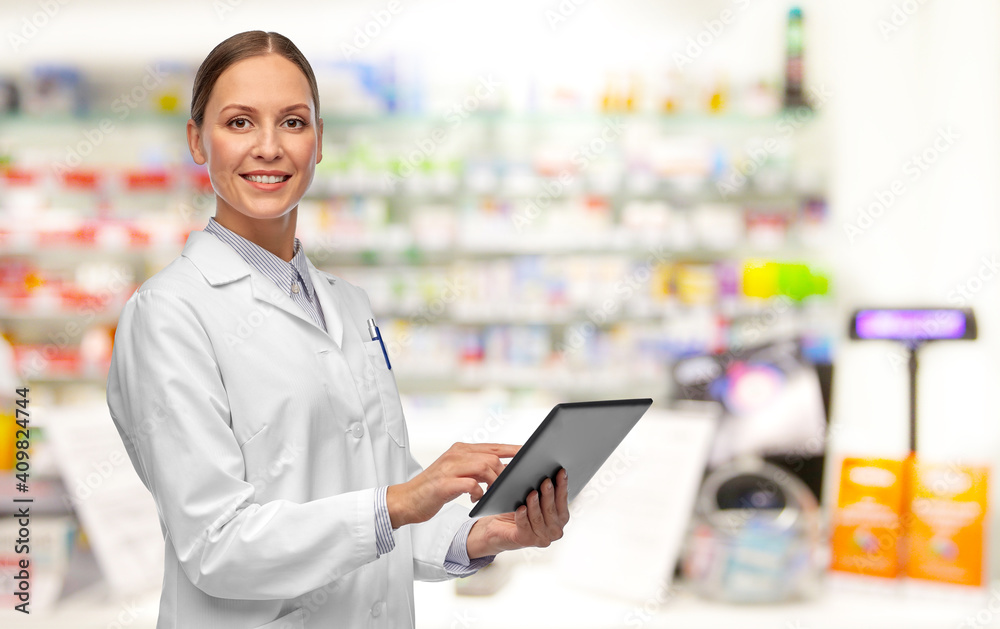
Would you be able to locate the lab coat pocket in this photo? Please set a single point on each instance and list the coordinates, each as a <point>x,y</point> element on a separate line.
<point>385,381</point>
<point>294,620</point>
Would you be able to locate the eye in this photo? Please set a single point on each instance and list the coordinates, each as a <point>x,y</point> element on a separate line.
<point>298,123</point>
<point>234,121</point>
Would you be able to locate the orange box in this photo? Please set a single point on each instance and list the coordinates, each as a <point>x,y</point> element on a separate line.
<point>947,513</point>
<point>867,529</point>
<point>8,434</point>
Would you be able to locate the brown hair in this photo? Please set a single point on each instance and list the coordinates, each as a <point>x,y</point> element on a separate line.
<point>237,48</point>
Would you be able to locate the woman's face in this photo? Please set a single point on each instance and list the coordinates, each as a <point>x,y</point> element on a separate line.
<point>259,124</point>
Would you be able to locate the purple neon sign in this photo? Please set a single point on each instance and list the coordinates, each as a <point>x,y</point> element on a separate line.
<point>907,325</point>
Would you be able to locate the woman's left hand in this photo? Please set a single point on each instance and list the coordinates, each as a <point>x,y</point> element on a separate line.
<point>538,522</point>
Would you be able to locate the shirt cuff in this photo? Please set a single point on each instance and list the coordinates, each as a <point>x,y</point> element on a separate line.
<point>457,562</point>
<point>384,539</point>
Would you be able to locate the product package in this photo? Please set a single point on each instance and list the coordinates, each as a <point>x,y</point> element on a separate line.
<point>945,527</point>
<point>924,520</point>
<point>867,522</point>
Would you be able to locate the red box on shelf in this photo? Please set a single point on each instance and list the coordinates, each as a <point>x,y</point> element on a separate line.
<point>81,179</point>
<point>47,360</point>
<point>138,237</point>
<point>18,176</point>
<point>142,180</point>
<point>75,299</point>
<point>84,235</point>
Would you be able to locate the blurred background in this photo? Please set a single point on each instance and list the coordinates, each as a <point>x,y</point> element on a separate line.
<point>546,202</point>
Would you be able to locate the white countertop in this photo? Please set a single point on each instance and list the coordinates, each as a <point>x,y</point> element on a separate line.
<point>535,598</point>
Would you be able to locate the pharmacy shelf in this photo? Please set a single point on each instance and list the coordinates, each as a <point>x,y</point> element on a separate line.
<point>410,248</point>
<point>409,192</point>
<point>461,313</point>
<point>119,221</point>
<point>431,378</point>
<point>563,380</point>
<point>545,119</point>
<point>58,315</point>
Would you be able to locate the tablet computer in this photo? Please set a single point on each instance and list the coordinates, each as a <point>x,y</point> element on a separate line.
<point>579,436</point>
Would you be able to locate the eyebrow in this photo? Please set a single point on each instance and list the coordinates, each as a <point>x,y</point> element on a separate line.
<point>252,110</point>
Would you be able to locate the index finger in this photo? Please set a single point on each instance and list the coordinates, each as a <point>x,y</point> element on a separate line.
<point>502,450</point>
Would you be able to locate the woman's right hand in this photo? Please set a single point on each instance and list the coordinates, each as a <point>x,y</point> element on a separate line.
<point>458,471</point>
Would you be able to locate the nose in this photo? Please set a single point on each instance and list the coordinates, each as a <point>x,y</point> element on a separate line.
<point>268,145</point>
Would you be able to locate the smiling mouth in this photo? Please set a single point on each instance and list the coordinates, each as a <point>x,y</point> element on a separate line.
<point>266,178</point>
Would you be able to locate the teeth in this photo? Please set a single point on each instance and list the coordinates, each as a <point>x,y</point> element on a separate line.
<point>265,178</point>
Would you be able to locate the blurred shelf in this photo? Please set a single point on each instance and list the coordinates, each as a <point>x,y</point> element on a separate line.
<point>413,191</point>
<point>76,250</point>
<point>66,378</point>
<point>612,241</point>
<point>484,314</point>
<point>787,199</point>
<point>731,119</point>
<point>399,240</point>
<point>528,377</point>
<point>436,378</point>
<point>41,315</point>
<point>691,156</point>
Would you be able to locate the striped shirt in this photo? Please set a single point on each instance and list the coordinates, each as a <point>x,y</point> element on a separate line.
<point>293,279</point>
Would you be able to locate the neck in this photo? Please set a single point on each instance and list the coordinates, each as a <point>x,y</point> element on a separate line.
<point>276,235</point>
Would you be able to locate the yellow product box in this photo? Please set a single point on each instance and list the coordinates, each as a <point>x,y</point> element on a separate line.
<point>867,530</point>
<point>946,527</point>
<point>696,284</point>
<point>8,438</point>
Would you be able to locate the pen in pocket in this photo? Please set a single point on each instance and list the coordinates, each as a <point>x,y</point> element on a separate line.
<point>377,336</point>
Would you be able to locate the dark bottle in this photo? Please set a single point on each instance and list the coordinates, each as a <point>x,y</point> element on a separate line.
<point>794,96</point>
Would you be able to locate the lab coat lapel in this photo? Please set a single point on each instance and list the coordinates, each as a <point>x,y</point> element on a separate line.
<point>347,334</point>
<point>220,265</point>
<point>326,287</point>
<point>264,289</point>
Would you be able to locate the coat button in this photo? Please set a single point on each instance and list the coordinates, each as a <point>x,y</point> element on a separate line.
<point>357,430</point>
<point>377,608</point>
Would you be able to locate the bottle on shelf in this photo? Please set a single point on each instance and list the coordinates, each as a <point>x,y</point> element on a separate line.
<point>794,95</point>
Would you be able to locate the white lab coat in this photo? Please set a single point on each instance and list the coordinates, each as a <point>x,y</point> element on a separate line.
<point>262,443</point>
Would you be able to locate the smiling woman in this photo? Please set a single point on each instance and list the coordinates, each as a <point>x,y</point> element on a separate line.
<point>280,462</point>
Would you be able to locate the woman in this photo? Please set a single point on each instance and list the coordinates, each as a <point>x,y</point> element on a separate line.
<point>261,415</point>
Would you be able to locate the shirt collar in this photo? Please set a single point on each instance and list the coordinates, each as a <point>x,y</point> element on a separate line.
<point>281,273</point>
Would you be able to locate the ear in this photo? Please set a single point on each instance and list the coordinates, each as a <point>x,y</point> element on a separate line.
<point>319,140</point>
<point>195,143</point>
